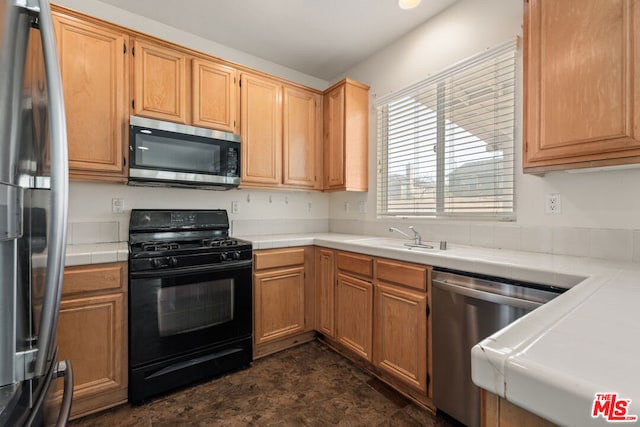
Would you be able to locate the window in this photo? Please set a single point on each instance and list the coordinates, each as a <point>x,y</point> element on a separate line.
<point>446,144</point>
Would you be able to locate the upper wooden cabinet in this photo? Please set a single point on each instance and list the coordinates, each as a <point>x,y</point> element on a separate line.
<point>261,118</point>
<point>95,84</point>
<point>215,95</point>
<point>281,133</point>
<point>160,82</point>
<point>346,136</point>
<point>301,138</point>
<point>582,84</point>
<point>170,84</point>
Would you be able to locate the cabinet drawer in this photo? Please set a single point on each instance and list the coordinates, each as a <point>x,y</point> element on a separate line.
<point>278,258</point>
<point>90,278</point>
<point>361,265</point>
<point>410,275</point>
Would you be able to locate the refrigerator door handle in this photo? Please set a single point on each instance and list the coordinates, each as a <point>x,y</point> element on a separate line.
<point>65,370</point>
<point>59,192</point>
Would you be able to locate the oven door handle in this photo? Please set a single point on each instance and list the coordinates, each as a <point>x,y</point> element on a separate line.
<point>193,269</point>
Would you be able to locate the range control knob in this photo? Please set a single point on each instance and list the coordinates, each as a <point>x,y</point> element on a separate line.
<point>173,261</point>
<point>237,255</point>
<point>155,263</point>
<point>224,256</point>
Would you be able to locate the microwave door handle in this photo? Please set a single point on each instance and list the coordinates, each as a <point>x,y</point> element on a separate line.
<point>59,192</point>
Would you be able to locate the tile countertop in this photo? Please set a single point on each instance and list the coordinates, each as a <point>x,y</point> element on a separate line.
<point>553,361</point>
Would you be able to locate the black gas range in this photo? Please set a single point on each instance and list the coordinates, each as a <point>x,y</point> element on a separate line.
<point>190,299</point>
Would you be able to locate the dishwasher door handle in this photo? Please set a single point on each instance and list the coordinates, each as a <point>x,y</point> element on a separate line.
<point>487,296</point>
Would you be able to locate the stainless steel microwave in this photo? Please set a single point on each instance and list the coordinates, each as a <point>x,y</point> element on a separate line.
<point>175,155</point>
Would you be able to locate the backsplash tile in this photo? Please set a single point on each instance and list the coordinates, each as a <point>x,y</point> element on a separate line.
<point>571,241</point>
<point>609,244</point>
<point>82,233</point>
<point>249,227</point>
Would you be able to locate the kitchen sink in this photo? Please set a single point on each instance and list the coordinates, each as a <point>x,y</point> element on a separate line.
<point>387,242</point>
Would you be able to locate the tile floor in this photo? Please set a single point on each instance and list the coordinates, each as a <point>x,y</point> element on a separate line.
<point>309,385</point>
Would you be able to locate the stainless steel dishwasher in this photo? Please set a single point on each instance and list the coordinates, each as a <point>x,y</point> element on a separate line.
<point>466,309</point>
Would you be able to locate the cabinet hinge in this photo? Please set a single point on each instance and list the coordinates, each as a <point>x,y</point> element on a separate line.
<point>240,82</point>
<point>133,104</point>
<point>124,48</point>
<point>427,310</point>
<point>428,380</point>
<point>133,51</point>
<point>124,161</point>
<point>234,123</point>
<point>526,147</point>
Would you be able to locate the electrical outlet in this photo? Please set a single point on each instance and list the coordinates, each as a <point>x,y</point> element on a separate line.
<point>553,205</point>
<point>309,207</point>
<point>235,207</point>
<point>117,205</point>
<point>362,207</point>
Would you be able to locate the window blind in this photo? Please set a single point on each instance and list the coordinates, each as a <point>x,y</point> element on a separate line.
<point>446,144</point>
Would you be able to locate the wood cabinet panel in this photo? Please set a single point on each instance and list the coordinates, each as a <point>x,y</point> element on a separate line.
<point>325,291</point>
<point>302,138</point>
<point>279,304</point>
<point>402,273</point>
<point>354,315</point>
<point>261,124</point>
<point>91,333</point>
<point>92,278</point>
<point>278,258</point>
<point>361,265</point>
<point>215,95</point>
<point>346,136</point>
<point>498,412</point>
<point>401,334</point>
<point>582,83</point>
<point>160,82</point>
<point>94,75</point>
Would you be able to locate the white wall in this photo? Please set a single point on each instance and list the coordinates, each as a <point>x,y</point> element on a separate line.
<point>590,201</point>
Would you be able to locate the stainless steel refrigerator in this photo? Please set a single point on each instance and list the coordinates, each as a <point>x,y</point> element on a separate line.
<point>33,215</point>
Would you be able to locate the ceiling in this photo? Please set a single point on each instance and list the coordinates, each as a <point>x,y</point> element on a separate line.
<point>321,38</point>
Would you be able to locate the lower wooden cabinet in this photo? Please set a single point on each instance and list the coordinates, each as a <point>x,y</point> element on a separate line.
<point>92,334</point>
<point>401,334</point>
<point>279,303</point>
<point>498,412</point>
<point>325,291</point>
<point>283,303</point>
<point>354,315</point>
<point>402,322</point>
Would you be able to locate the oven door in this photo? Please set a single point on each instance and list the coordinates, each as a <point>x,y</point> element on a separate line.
<point>174,312</point>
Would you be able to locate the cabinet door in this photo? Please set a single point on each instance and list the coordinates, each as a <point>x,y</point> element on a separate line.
<point>325,291</point>
<point>91,334</point>
<point>278,304</point>
<point>334,138</point>
<point>215,95</point>
<point>160,84</point>
<point>401,334</point>
<point>582,83</point>
<point>301,138</point>
<point>95,85</point>
<point>261,124</point>
<point>354,315</point>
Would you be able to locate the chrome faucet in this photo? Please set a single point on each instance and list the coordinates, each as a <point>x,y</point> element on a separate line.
<point>417,238</point>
